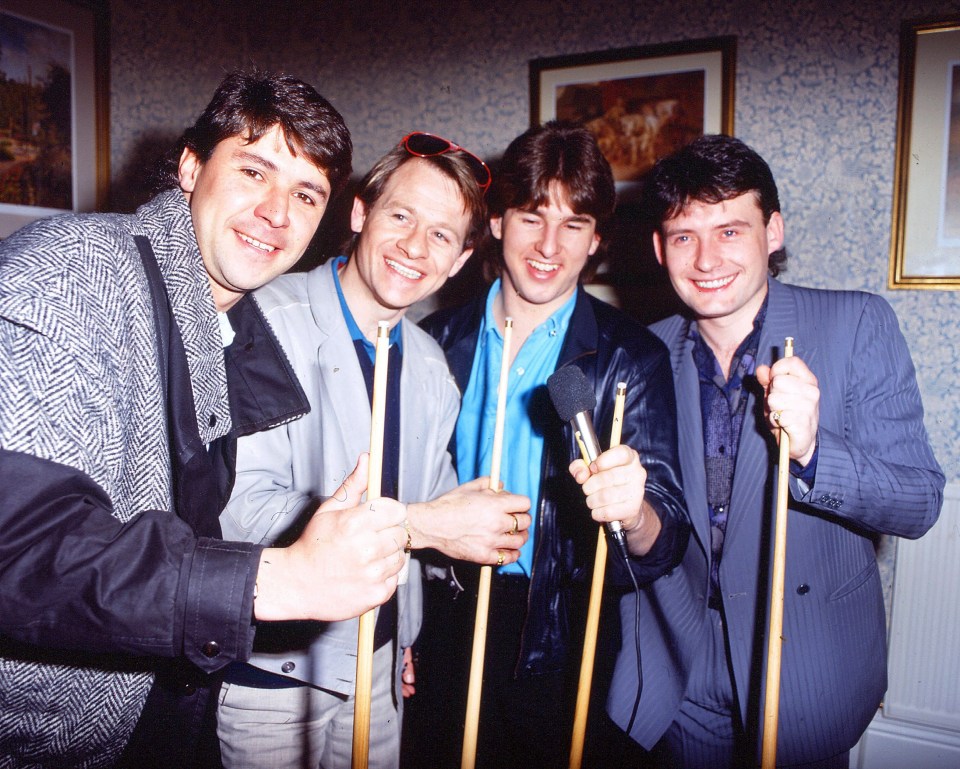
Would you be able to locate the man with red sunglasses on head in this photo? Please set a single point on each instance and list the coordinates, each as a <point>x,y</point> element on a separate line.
<point>415,219</point>
<point>551,199</point>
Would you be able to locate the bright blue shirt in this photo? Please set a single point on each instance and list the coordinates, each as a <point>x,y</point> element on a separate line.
<point>528,408</point>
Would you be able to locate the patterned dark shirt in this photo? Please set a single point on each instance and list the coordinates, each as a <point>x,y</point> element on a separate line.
<point>723,404</point>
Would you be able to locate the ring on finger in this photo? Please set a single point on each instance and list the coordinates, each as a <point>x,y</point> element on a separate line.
<point>516,524</point>
<point>499,557</point>
<point>775,416</point>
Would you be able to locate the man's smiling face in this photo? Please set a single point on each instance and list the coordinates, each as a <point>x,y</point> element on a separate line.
<point>255,208</point>
<point>410,241</point>
<point>716,255</point>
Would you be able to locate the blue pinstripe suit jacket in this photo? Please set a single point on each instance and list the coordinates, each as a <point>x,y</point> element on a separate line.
<point>876,474</point>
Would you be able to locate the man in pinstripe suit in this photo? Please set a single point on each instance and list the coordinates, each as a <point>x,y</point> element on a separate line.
<point>861,465</point>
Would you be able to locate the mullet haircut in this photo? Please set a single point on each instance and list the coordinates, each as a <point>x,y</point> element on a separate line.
<point>555,153</point>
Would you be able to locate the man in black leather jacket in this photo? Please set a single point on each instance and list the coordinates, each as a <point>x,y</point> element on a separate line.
<point>549,201</point>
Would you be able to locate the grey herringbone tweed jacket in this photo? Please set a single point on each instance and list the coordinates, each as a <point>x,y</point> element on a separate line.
<point>79,385</point>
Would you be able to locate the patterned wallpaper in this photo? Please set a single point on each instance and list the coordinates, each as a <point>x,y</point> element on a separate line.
<point>816,94</point>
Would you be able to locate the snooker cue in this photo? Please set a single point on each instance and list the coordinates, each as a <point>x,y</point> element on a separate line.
<point>771,704</point>
<point>361,717</point>
<point>593,609</point>
<point>468,756</point>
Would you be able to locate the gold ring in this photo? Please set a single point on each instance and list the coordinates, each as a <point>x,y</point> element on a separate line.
<point>516,524</point>
<point>775,416</point>
<point>499,557</point>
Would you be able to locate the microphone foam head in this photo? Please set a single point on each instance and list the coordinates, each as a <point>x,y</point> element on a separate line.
<point>570,392</point>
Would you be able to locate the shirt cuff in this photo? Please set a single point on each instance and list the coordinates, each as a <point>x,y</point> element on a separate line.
<point>809,473</point>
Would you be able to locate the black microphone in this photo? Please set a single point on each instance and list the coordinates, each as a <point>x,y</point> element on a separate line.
<point>574,399</point>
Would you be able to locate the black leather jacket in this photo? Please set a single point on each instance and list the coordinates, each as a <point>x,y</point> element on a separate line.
<point>609,348</point>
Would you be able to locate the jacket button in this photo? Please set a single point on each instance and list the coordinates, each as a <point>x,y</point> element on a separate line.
<point>189,689</point>
<point>210,649</point>
<point>803,589</point>
<point>288,667</point>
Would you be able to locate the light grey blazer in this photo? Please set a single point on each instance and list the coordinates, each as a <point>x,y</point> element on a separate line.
<point>282,472</point>
<point>875,474</point>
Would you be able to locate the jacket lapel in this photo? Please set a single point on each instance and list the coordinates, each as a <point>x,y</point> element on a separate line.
<point>340,380</point>
<point>690,433</point>
<point>754,484</point>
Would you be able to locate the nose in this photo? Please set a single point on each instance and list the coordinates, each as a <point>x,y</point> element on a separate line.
<point>414,244</point>
<point>549,243</point>
<point>274,208</point>
<point>707,257</point>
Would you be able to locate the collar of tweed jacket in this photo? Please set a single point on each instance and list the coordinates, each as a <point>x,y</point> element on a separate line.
<point>167,222</point>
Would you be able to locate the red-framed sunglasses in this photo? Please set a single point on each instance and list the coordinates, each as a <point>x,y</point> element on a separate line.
<point>426,145</point>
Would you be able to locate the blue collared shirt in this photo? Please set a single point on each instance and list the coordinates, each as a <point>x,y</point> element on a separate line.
<point>355,333</point>
<point>386,624</point>
<point>528,406</point>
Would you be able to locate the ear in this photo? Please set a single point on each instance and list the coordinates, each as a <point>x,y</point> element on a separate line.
<point>658,247</point>
<point>774,233</point>
<point>594,245</point>
<point>461,260</point>
<point>188,169</point>
<point>496,227</point>
<point>358,215</point>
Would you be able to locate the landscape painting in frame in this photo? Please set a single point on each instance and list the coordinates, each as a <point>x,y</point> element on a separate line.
<point>36,116</point>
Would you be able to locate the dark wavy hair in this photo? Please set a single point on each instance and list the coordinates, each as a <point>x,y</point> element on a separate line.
<point>709,170</point>
<point>249,104</point>
<point>561,152</point>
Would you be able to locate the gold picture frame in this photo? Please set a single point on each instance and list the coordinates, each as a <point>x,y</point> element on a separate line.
<point>925,233</point>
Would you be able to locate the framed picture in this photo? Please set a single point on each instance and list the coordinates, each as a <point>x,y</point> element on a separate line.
<point>925,237</point>
<point>641,103</point>
<point>54,134</point>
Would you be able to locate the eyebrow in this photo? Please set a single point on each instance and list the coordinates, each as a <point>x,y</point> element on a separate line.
<point>733,223</point>
<point>579,218</point>
<point>253,157</point>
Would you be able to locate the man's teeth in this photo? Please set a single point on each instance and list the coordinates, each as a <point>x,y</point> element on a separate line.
<point>543,266</point>
<point>255,243</point>
<point>718,283</point>
<point>405,271</point>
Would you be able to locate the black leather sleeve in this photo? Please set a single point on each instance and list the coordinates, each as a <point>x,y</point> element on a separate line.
<point>650,426</point>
